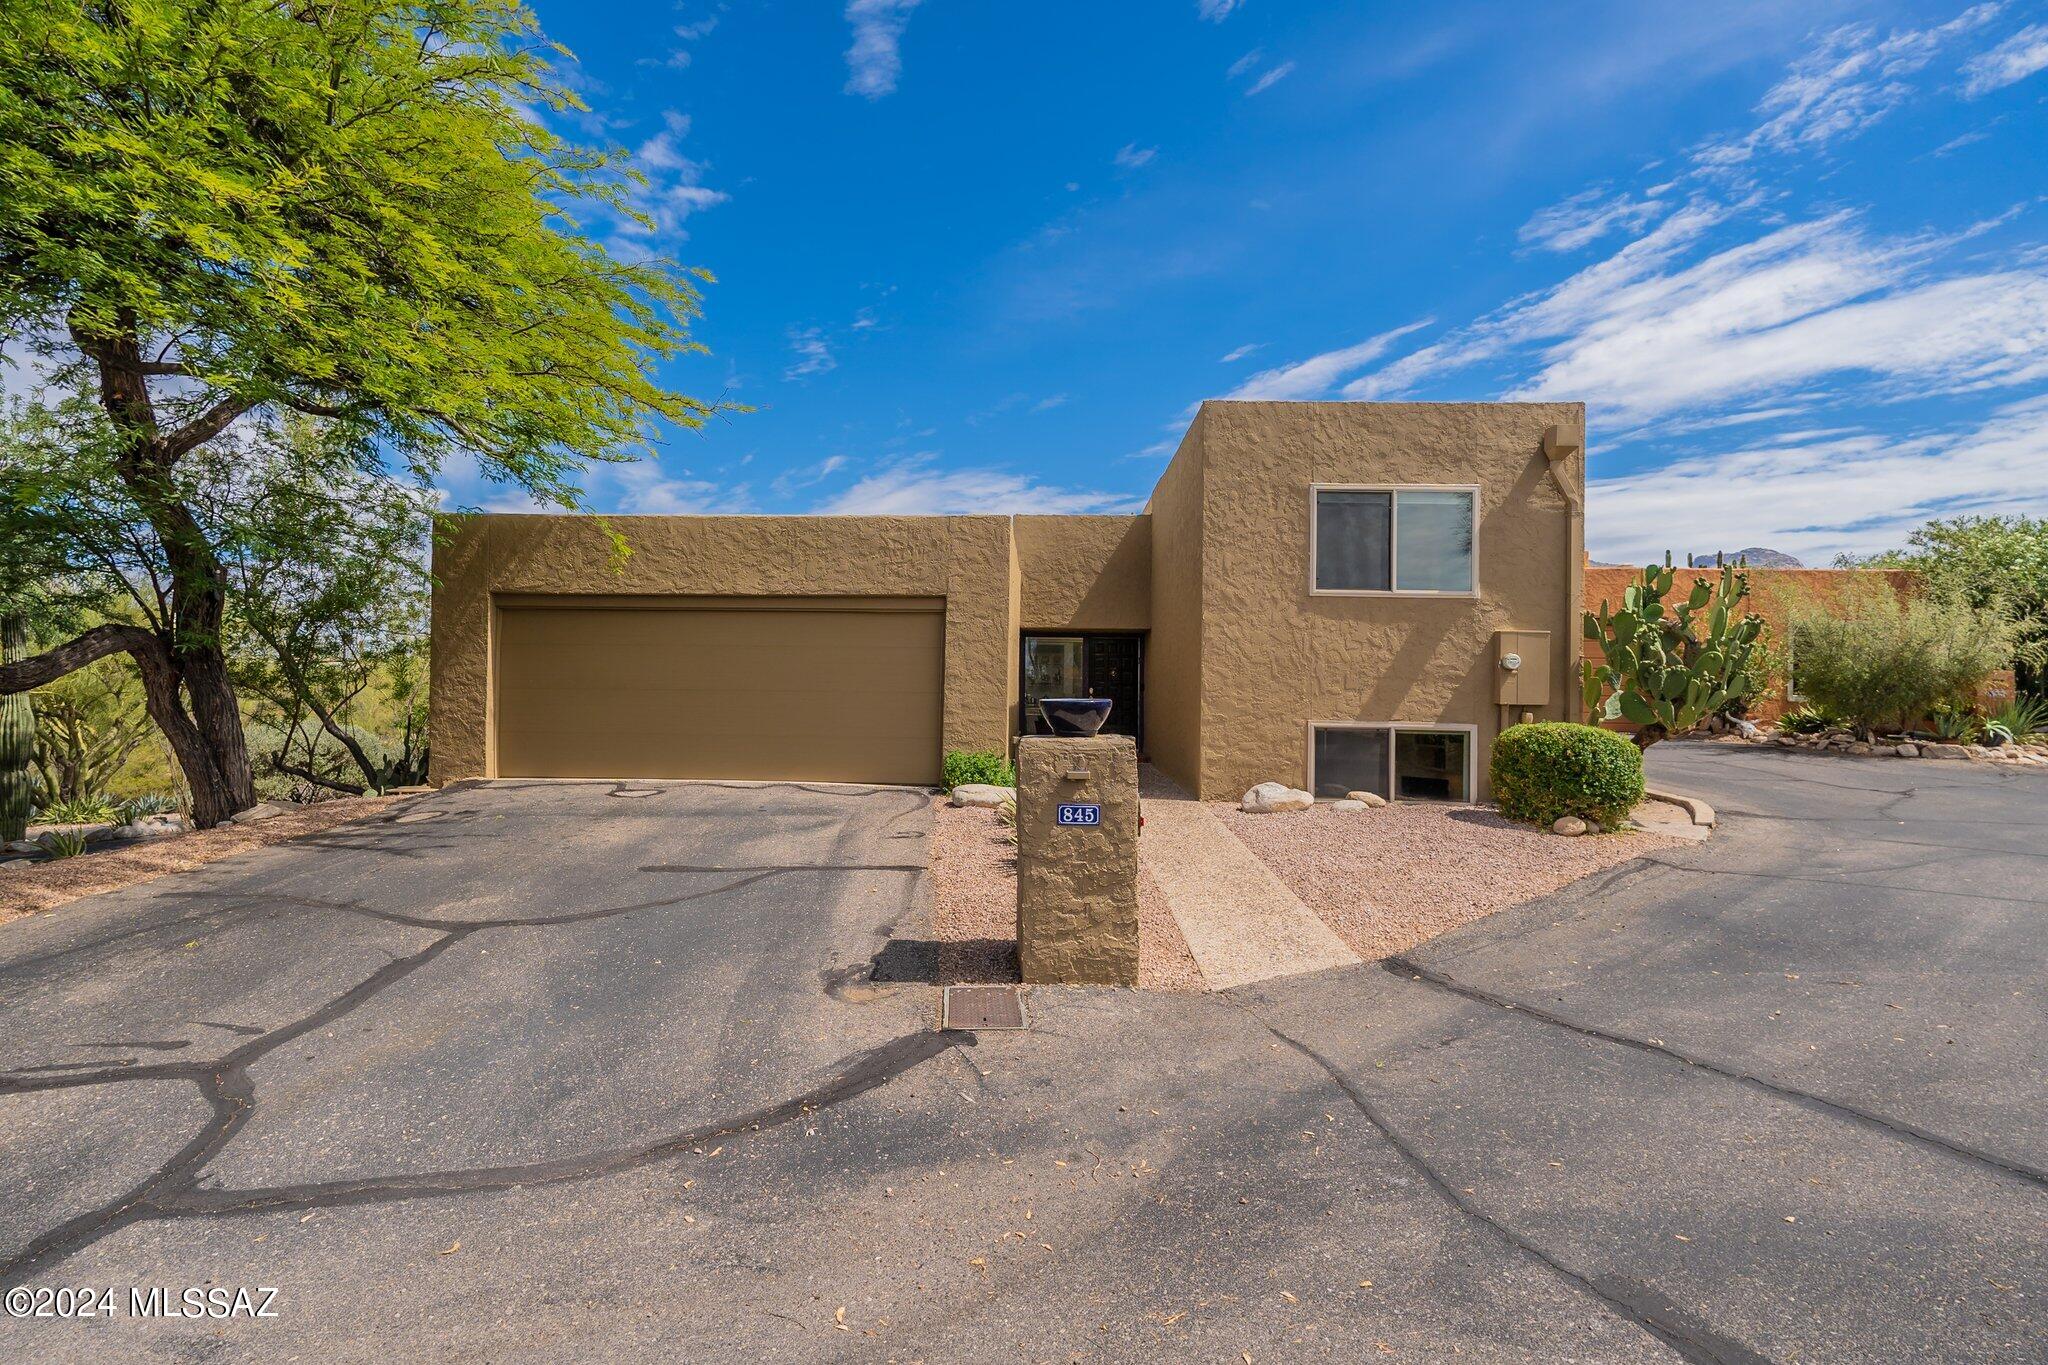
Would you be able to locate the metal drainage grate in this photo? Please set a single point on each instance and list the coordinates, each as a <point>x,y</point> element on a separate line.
<point>982,1007</point>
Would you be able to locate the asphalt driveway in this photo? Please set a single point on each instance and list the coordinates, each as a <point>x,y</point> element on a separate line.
<point>574,1071</point>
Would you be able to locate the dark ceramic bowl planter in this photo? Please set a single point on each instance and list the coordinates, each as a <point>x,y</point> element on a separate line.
<point>1074,716</point>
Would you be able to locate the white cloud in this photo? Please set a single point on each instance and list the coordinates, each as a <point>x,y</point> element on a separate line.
<point>1849,81</point>
<point>813,353</point>
<point>1245,63</point>
<point>1586,217</point>
<point>1270,79</point>
<point>1049,402</point>
<point>1216,11</point>
<point>791,480</point>
<point>674,188</point>
<point>2013,60</point>
<point>1316,376</point>
<point>1239,353</point>
<point>914,486</point>
<point>1850,494</point>
<point>875,60</point>
<point>1131,156</point>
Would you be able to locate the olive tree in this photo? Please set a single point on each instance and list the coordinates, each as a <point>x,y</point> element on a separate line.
<point>219,212</point>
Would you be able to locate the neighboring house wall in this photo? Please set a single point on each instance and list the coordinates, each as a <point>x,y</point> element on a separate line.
<point>1173,651</point>
<point>1085,573</point>
<point>1276,658</point>
<point>968,561</point>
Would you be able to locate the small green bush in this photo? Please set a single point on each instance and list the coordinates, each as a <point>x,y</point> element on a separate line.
<point>79,810</point>
<point>1805,721</point>
<point>1879,662</point>
<point>1555,768</point>
<point>990,766</point>
<point>69,843</point>
<point>149,803</point>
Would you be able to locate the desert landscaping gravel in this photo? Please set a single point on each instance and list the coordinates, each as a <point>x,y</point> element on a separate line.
<point>974,910</point>
<point>35,887</point>
<point>1387,879</point>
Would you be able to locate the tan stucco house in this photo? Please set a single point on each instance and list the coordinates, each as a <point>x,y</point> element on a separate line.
<point>1332,595</point>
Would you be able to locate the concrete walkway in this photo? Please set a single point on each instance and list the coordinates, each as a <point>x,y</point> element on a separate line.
<point>1241,922</point>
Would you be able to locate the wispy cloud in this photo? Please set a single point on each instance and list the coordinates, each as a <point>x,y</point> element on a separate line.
<point>1245,63</point>
<point>1317,375</point>
<point>875,61</point>
<point>674,188</point>
<point>2013,60</point>
<point>1049,402</point>
<point>1850,80</point>
<point>1216,11</point>
<point>813,353</point>
<point>1844,494</point>
<point>916,486</point>
<point>1586,217</point>
<point>1131,156</point>
<point>1270,79</point>
<point>1239,353</point>
<point>793,480</point>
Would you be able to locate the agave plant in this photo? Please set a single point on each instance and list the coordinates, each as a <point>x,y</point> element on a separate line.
<point>80,810</point>
<point>1805,721</point>
<point>1669,663</point>
<point>149,803</point>
<point>2023,718</point>
<point>63,843</point>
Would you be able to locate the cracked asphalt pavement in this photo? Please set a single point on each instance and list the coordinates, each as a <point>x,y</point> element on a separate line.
<point>605,1071</point>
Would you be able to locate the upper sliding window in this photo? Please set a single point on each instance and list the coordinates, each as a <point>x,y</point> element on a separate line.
<point>1401,540</point>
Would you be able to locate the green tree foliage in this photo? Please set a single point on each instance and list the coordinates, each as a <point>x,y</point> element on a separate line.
<point>1998,563</point>
<point>221,212</point>
<point>88,723</point>
<point>1669,662</point>
<point>1876,660</point>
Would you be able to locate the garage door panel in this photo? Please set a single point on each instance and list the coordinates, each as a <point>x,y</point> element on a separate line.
<point>828,695</point>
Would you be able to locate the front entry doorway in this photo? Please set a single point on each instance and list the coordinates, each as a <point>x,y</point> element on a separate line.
<point>1090,665</point>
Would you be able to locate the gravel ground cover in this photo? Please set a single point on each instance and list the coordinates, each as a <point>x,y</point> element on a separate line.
<point>1388,879</point>
<point>974,911</point>
<point>33,888</point>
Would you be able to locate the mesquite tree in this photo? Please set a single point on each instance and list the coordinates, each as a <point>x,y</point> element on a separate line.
<point>222,211</point>
<point>1668,663</point>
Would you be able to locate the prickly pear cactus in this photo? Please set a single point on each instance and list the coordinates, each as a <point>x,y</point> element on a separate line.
<point>1669,662</point>
<point>17,740</point>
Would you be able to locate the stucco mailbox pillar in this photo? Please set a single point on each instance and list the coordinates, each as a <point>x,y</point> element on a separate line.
<point>1077,860</point>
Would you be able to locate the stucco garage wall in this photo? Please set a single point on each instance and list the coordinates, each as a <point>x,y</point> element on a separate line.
<point>966,560</point>
<point>1173,651</point>
<point>1274,657</point>
<point>1085,573</point>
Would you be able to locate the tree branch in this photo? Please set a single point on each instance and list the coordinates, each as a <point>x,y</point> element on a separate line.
<point>67,658</point>
<point>202,428</point>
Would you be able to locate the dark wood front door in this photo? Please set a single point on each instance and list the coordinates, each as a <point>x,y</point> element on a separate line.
<point>1109,666</point>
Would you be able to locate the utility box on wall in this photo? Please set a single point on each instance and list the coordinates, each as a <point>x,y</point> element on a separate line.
<point>1522,667</point>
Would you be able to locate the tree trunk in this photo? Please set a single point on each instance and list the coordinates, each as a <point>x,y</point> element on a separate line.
<point>206,739</point>
<point>1646,735</point>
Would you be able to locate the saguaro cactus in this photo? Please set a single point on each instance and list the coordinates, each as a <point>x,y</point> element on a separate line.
<point>17,739</point>
<point>1668,664</point>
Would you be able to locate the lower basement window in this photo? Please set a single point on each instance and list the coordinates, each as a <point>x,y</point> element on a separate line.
<point>1399,762</point>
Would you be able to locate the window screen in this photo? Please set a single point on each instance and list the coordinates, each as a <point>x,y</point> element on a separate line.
<point>1434,541</point>
<point>1354,540</point>
<point>1429,766</point>
<point>1351,761</point>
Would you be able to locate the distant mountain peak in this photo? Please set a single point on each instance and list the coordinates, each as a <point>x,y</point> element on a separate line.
<point>1756,556</point>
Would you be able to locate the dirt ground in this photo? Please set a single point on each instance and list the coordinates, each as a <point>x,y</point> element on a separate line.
<point>34,888</point>
<point>974,884</point>
<point>1387,879</point>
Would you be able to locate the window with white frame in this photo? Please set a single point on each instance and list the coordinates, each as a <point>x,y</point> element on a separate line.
<point>1395,761</point>
<point>1395,540</point>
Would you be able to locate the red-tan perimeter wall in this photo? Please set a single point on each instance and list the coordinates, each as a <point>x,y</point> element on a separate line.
<point>1776,595</point>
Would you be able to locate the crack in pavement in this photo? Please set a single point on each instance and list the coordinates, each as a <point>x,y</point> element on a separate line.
<point>172,1191</point>
<point>1896,1128</point>
<point>1631,1300</point>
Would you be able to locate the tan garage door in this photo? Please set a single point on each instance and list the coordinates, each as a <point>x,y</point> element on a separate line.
<point>797,689</point>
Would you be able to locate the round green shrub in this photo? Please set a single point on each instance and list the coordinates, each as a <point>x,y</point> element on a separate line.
<point>1555,768</point>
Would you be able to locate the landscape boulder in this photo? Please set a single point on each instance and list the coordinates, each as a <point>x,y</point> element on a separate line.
<point>1366,798</point>
<point>983,795</point>
<point>265,810</point>
<point>1347,804</point>
<point>1268,797</point>
<point>1943,751</point>
<point>1571,826</point>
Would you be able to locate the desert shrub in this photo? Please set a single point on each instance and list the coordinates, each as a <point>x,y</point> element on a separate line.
<point>989,766</point>
<point>79,810</point>
<point>1878,661</point>
<point>2023,717</point>
<point>1805,721</point>
<point>149,803</point>
<point>68,843</point>
<point>1555,768</point>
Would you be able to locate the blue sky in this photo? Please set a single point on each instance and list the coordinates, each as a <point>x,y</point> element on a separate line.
<point>988,257</point>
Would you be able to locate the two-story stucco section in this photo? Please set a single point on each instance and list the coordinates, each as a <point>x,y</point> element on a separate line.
<point>1258,657</point>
